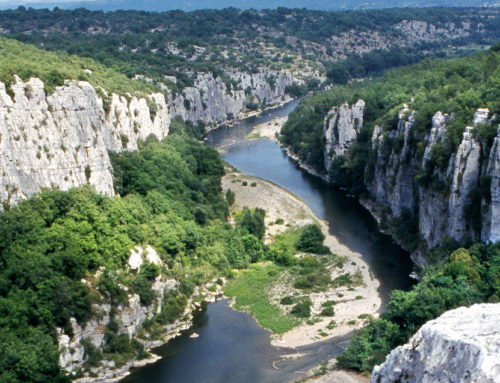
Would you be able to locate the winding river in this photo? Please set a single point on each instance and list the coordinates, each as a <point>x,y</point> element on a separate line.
<point>231,347</point>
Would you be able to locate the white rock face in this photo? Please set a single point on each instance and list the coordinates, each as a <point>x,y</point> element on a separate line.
<point>462,345</point>
<point>139,254</point>
<point>441,201</point>
<point>417,30</point>
<point>62,141</point>
<point>341,128</point>
<point>491,225</point>
<point>211,100</point>
<point>465,178</point>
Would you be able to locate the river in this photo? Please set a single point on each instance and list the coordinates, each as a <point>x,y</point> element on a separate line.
<point>231,346</point>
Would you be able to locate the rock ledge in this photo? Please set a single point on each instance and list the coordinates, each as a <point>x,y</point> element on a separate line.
<point>462,345</point>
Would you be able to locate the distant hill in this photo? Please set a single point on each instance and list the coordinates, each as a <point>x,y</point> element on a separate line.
<point>189,5</point>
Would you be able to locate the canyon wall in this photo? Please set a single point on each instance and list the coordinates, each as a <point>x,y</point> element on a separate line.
<point>451,193</point>
<point>62,140</point>
<point>212,99</point>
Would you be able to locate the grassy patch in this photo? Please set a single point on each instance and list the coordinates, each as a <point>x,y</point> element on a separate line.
<point>253,136</point>
<point>250,287</point>
<point>285,242</point>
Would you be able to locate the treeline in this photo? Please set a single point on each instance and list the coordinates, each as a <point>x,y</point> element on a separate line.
<point>470,276</point>
<point>26,61</point>
<point>53,242</point>
<point>210,26</point>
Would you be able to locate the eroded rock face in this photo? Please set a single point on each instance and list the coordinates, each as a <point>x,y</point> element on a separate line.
<point>213,100</point>
<point>491,225</point>
<point>62,141</point>
<point>421,179</point>
<point>462,345</point>
<point>341,128</point>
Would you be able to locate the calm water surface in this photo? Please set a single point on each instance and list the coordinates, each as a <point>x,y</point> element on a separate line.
<point>231,346</point>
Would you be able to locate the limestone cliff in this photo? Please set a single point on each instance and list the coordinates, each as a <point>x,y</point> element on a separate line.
<point>62,140</point>
<point>450,193</point>
<point>213,100</point>
<point>462,345</point>
<point>341,128</point>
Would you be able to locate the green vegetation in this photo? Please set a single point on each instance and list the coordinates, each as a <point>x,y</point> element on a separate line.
<point>307,272</point>
<point>311,240</point>
<point>53,68</point>
<point>252,221</point>
<point>51,242</point>
<point>470,276</point>
<point>302,309</point>
<point>250,287</point>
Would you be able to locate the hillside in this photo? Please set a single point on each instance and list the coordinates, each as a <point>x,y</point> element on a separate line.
<point>173,48</point>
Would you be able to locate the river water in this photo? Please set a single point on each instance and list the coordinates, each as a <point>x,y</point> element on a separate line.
<point>231,346</point>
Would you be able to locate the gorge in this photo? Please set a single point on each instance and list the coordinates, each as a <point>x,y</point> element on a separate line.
<point>120,220</point>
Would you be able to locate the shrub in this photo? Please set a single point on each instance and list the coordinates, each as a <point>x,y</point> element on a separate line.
<point>302,309</point>
<point>288,300</point>
<point>230,197</point>
<point>327,312</point>
<point>311,240</point>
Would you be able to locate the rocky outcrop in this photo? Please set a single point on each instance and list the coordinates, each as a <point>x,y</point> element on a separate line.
<point>129,316</point>
<point>341,128</point>
<point>445,192</point>
<point>62,140</point>
<point>491,226</point>
<point>417,30</point>
<point>213,99</point>
<point>462,345</point>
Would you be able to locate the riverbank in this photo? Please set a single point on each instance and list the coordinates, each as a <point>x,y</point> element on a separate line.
<point>353,303</point>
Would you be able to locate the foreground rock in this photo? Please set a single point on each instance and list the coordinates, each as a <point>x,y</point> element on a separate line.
<point>462,345</point>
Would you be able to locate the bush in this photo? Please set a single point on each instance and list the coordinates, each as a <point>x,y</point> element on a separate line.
<point>230,197</point>
<point>311,240</point>
<point>288,300</point>
<point>252,222</point>
<point>327,312</point>
<point>302,309</point>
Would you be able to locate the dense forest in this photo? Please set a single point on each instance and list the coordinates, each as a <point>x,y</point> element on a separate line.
<point>181,44</point>
<point>51,244</point>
